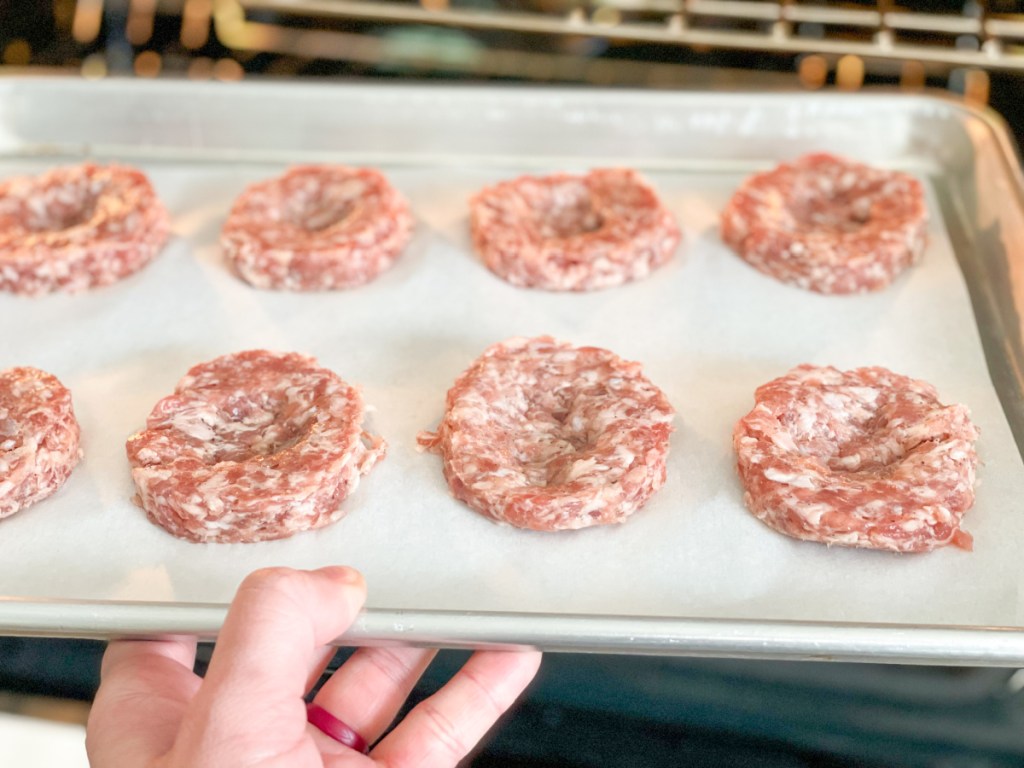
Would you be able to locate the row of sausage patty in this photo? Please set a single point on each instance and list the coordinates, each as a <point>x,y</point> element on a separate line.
<point>537,433</point>
<point>821,223</point>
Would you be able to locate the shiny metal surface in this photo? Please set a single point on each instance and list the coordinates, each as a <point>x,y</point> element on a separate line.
<point>642,635</point>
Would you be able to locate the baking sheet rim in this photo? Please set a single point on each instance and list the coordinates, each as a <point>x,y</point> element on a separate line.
<point>635,635</point>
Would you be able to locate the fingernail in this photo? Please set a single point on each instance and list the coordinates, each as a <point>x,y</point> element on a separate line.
<point>347,575</point>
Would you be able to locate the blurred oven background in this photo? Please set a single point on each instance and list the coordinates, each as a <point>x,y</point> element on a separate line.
<point>595,710</point>
<point>973,48</point>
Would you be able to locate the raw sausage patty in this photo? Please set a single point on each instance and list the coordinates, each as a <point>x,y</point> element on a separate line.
<point>544,435</point>
<point>252,446</point>
<point>573,233</point>
<point>39,437</point>
<point>861,458</point>
<point>317,227</point>
<point>77,227</point>
<point>828,224</point>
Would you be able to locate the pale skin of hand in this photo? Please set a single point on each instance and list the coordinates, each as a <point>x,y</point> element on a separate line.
<point>152,711</point>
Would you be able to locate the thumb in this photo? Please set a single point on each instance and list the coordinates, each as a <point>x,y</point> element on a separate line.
<point>254,686</point>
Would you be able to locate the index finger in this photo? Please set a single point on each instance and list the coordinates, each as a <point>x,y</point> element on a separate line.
<point>145,687</point>
<point>178,649</point>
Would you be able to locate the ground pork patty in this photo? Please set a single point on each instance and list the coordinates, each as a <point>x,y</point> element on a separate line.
<point>77,227</point>
<point>828,224</point>
<point>544,435</point>
<point>39,437</point>
<point>252,446</point>
<point>573,233</point>
<point>317,227</point>
<point>861,458</point>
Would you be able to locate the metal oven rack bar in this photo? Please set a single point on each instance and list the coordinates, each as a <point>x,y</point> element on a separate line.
<point>979,38</point>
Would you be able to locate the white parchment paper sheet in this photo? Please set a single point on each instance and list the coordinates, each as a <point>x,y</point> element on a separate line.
<point>707,328</point>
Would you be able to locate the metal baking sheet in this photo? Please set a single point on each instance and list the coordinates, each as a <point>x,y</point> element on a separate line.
<point>693,573</point>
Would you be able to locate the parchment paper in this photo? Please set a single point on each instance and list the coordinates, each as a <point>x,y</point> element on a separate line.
<point>708,329</point>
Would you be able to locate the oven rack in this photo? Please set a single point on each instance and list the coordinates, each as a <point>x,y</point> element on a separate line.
<point>978,37</point>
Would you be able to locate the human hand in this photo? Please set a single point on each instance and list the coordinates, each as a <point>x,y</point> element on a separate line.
<point>151,710</point>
